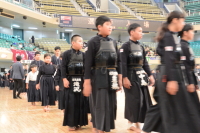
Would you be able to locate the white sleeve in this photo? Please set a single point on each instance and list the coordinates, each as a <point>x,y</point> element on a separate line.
<point>27,78</point>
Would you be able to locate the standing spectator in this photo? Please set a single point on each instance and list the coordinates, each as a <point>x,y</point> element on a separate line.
<point>11,47</point>
<point>56,58</point>
<point>17,75</point>
<point>34,49</point>
<point>37,60</point>
<point>0,80</point>
<point>25,67</point>
<point>4,80</point>
<point>10,78</point>
<point>33,39</point>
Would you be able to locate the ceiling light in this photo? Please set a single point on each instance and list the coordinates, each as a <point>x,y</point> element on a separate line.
<point>14,25</point>
<point>68,30</point>
<point>32,28</point>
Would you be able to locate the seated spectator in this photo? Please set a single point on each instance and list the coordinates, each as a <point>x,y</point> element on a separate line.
<point>12,47</point>
<point>34,49</point>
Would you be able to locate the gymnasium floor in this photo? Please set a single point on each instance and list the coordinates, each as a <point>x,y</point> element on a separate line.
<point>18,116</point>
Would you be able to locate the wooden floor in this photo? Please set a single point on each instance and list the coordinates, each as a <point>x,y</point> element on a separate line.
<point>18,116</point>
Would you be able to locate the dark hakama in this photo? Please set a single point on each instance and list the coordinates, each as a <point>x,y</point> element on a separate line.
<point>75,107</point>
<point>61,102</point>
<point>33,94</point>
<point>47,90</point>
<point>75,103</point>
<point>24,81</point>
<point>153,120</point>
<point>137,101</point>
<point>60,93</point>
<point>11,84</point>
<point>137,98</point>
<point>178,112</point>
<point>46,81</point>
<point>24,86</point>
<point>103,107</point>
<point>103,103</point>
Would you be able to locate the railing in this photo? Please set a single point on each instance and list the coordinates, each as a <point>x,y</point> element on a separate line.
<point>33,7</point>
<point>191,2</point>
<point>55,3</point>
<point>136,1</point>
<point>86,7</point>
<point>193,12</point>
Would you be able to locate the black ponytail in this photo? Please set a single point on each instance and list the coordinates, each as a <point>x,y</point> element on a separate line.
<point>164,28</point>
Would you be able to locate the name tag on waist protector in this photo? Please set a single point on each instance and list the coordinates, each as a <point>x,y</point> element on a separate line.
<point>113,77</point>
<point>142,77</point>
<point>77,84</point>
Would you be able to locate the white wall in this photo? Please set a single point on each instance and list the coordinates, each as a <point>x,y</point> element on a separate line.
<point>124,35</point>
<point>6,30</point>
<point>86,34</point>
<point>5,64</point>
<point>112,7</point>
<point>40,34</point>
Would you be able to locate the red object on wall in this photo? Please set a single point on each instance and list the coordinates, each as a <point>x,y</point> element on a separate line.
<point>19,52</point>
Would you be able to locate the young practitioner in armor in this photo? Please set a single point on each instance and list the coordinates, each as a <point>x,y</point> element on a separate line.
<point>59,86</point>
<point>102,76</point>
<point>177,108</point>
<point>135,71</point>
<point>186,35</point>
<point>72,74</point>
<point>45,82</point>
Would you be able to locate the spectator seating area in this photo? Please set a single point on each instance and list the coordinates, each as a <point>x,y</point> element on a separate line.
<point>49,44</point>
<point>151,45</point>
<point>194,45</point>
<point>193,9</point>
<point>196,48</point>
<point>17,43</point>
<point>145,9</point>
<point>142,8</point>
<point>57,7</point>
<point>91,12</point>
<point>25,5</point>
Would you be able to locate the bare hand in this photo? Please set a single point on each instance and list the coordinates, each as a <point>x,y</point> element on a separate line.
<point>87,89</point>
<point>27,87</point>
<point>172,87</point>
<point>66,83</point>
<point>191,88</point>
<point>126,83</point>
<point>57,88</point>
<point>37,86</point>
<point>151,80</point>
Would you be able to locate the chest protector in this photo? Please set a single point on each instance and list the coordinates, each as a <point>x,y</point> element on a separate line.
<point>75,66</point>
<point>106,56</point>
<point>179,57</point>
<point>136,56</point>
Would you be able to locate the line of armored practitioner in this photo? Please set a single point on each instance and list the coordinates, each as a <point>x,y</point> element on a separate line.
<point>102,71</point>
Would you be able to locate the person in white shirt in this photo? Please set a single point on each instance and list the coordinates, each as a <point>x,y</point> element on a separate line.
<point>32,93</point>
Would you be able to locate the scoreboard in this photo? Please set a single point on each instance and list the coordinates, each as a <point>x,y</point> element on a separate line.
<point>118,24</point>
